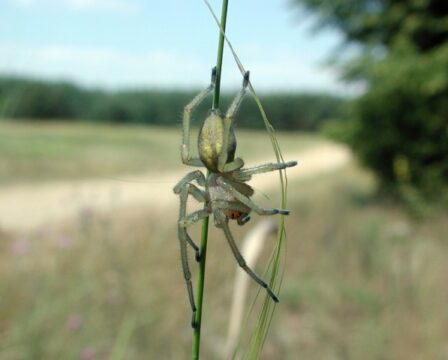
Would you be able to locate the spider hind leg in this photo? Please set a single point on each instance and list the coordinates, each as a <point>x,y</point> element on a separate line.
<point>247,201</point>
<point>243,219</point>
<point>239,258</point>
<point>246,174</point>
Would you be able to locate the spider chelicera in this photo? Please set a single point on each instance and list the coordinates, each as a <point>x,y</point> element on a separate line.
<point>225,193</point>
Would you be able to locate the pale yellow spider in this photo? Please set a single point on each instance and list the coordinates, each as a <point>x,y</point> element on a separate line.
<point>225,192</point>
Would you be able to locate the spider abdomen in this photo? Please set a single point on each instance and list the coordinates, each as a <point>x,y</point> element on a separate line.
<point>210,142</point>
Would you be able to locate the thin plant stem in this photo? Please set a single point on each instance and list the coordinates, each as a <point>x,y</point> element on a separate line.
<point>204,235</point>
<point>216,94</point>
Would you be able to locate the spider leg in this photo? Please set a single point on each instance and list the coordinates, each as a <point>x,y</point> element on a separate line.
<point>239,258</point>
<point>248,202</point>
<point>194,175</point>
<point>245,174</point>
<point>243,219</point>
<point>185,150</point>
<point>185,221</point>
<point>193,218</point>
<point>236,164</point>
<point>233,108</point>
<point>184,188</point>
<point>184,238</point>
<point>223,165</point>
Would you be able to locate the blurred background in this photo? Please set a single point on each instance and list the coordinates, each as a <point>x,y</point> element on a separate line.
<point>91,100</point>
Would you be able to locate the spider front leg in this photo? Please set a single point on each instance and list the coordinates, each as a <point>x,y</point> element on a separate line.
<point>246,174</point>
<point>222,221</point>
<point>185,149</point>
<point>248,202</point>
<point>223,165</point>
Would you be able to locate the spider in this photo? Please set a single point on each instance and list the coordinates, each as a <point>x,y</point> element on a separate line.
<point>225,193</point>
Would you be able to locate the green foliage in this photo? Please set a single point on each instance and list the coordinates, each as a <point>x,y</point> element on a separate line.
<point>288,112</point>
<point>420,24</point>
<point>400,127</point>
<point>21,98</point>
<point>33,99</point>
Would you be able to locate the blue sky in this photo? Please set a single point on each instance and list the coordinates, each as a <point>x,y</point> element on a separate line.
<point>138,43</point>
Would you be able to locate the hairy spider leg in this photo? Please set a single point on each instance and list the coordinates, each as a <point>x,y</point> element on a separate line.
<point>239,258</point>
<point>184,238</point>
<point>245,174</point>
<point>248,202</point>
<point>238,163</point>
<point>198,194</point>
<point>193,217</point>
<point>185,150</point>
<point>188,178</point>
<point>243,219</point>
<point>184,188</point>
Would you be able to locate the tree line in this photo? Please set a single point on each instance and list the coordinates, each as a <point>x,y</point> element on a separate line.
<point>37,100</point>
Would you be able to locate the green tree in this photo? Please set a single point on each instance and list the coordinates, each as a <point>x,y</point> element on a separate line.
<point>400,126</point>
<point>42,100</point>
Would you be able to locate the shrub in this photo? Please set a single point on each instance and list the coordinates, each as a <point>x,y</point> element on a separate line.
<point>401,127</point>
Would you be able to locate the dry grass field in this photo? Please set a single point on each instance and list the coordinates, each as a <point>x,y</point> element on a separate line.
<point>363,279</point>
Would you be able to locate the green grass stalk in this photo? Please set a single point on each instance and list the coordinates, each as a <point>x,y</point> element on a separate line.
<point>216,93</point>
<point>274,270</point>
<point>204,235</point>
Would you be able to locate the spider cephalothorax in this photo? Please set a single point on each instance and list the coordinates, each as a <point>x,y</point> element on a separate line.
<point>224,191</point>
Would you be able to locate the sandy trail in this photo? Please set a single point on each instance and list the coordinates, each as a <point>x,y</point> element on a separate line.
<point>30,206</point>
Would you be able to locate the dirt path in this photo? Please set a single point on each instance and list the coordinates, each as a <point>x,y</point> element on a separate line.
<point>27,207</point>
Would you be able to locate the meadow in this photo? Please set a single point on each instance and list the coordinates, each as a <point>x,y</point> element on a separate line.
<point>363,278</point>
<point>33,151</point>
